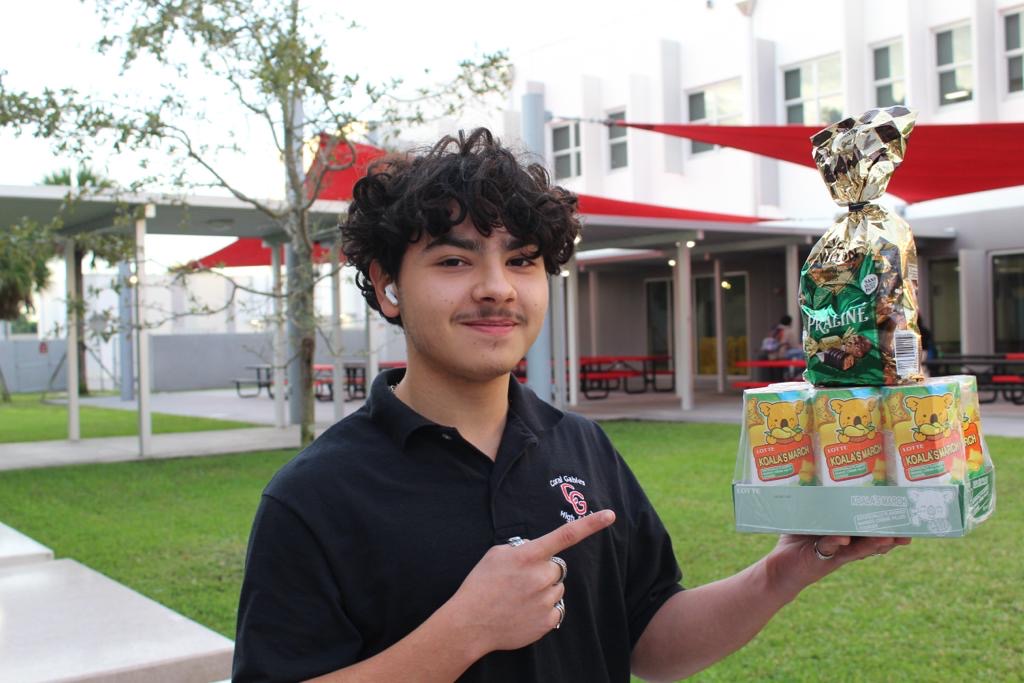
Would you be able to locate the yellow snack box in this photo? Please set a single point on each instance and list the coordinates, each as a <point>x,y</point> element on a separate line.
<point>923,433</point>
<point>970,418</point>
<point>777,429</point>
<point>848,445</point>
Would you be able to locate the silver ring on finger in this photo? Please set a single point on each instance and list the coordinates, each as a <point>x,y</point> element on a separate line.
<point>517,541</point>
<point>560,606</point>
<point>561,565</point>
<point>821,555</point>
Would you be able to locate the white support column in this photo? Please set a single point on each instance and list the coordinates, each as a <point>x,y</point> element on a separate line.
<point>720,359</point>
<point>793,286</point>
<point>572,318</point>
<point>143,363</point>
<point>682,304</point>
<point>558,337</point>
<point>592,286</point>
<point>339,365</point>
<point>372,355</point>
<point>71,353</point>
<point>278,367</point>
<point>986,84</point>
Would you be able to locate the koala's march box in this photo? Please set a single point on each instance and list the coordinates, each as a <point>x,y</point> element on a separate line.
<point>830,462</point>
<point>941,510</point>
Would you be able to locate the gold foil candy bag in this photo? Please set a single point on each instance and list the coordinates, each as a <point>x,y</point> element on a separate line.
<point>858,289</point>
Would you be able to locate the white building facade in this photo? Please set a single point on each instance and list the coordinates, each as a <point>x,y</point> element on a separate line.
<point>776,62</point>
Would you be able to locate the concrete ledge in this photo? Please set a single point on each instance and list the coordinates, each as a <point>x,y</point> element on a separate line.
<point>14,456</point>
<point>16,548</point>
<point>60,620</point>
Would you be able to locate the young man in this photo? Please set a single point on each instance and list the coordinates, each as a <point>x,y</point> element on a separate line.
<point>456,526</point>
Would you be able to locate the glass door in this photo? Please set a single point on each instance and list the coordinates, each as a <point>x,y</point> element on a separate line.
<point>734,305</point>
<point>658,296</point>
<point>1008,302</point>
<point>944,304</point>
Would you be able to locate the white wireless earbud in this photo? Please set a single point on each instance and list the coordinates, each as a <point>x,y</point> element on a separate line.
<point>389,294</point>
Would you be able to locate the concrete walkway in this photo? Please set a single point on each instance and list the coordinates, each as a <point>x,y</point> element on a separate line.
<point>998,419</point>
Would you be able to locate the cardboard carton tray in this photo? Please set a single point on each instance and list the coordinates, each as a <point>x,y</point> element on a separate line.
<point>947,510</point>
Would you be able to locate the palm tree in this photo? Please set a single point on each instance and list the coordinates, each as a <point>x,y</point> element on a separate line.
<point>106,247</point>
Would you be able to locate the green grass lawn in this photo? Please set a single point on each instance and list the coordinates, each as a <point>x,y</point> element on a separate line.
<point>26,418</point>
<point>939,610</point>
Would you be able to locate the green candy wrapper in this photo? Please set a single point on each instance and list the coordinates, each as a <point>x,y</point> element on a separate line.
<point>858,287</point>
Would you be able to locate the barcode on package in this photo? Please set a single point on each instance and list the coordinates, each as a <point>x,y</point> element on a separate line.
<point>907,350</point>
<point>912,271</point>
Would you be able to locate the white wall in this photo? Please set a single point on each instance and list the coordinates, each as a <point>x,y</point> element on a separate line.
<point>683,48</point>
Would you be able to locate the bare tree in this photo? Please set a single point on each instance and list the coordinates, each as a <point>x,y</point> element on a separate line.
<point>270,57</point>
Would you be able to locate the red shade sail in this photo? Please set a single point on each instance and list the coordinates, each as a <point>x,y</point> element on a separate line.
<point>600,206</point>
<point>338,184</point>
<point>250,251</point>
<point>942,160</point>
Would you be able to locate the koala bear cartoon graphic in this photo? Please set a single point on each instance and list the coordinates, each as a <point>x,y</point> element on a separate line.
<point>855,423</point>
<point>782,421</point>
<point>931,416</point>
<point>930,508</point>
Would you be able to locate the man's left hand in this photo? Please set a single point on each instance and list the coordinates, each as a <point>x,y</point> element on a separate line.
<point>794,564</point>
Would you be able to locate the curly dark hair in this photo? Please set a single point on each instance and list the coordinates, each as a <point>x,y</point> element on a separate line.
<point>403,196</point>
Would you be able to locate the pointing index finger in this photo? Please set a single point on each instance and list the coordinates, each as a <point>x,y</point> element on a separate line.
<point>570,534</point>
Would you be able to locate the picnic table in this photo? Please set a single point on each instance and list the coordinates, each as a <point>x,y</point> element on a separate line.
<point>264,378</point>
<point>355,378</point>
<point>600,375</point>
<point>997,374</point>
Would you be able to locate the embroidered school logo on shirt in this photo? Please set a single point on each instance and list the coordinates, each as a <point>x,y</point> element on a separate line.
<point>570,488</point>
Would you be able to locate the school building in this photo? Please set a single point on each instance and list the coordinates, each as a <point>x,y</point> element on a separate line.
<point>770,63</point>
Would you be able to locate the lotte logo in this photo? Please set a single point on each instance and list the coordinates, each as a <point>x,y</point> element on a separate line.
<point>575,498</point>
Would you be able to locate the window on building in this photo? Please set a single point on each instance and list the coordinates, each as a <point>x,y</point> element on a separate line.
<point>814,91</point>
<point>953,59</point>
<point>889,84</point>
<point>565,141</point>
<point>618,153</point>
<point>1007,298</point>
<point>1014,52</point>
<point>719,104</point>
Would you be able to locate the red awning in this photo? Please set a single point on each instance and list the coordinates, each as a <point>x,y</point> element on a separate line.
<point>943,160</point>
<point>250,251</point>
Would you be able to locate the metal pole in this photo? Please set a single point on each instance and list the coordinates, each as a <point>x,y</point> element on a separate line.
<point>793,286</point>
<point>339,365</point>
<point>538,357</point>
<point>145,419</point>
<point>124,314</point>
<point>557,283</point>
<point>683,305</point>
<point>720,359</point>
<point>372,354</point>
<point>71,354</point>
<point>572,322</point>
<point>278,366</point>
<point>294,379</point>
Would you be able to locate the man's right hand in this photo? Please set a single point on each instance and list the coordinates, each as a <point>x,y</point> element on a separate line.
<point>508,600</point>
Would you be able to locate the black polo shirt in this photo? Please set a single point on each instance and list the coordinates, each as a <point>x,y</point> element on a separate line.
<point>369,530</point>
